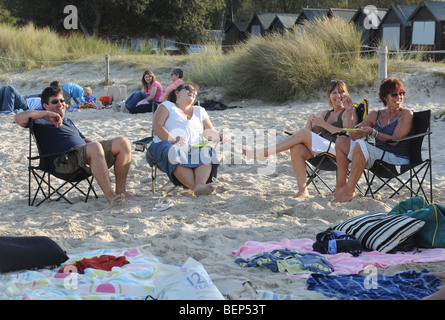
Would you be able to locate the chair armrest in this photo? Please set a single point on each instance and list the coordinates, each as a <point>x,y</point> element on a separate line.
<point>141,145</point>
<point>408,137</point>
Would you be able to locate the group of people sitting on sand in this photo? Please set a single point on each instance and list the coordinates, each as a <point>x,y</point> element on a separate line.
<point>178,123</point>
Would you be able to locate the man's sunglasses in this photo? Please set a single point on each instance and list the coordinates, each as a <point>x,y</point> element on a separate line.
<point>396,94</point>
<point>56,101</point>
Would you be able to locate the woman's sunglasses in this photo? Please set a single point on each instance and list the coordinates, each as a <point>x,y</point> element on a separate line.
<point>190,89</point>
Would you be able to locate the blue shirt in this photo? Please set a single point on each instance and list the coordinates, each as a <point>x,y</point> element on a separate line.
<point>402,148</point>
<point>75,91</point>
<point>54,140</point>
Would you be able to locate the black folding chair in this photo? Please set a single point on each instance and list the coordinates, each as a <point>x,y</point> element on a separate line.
<point>142,146</point>
<point>392,176</point>
<point>42,176</point>
<point>326,161</point>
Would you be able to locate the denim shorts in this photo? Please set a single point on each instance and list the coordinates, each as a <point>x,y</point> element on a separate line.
<point>75,158</point>
<point>167,156</point>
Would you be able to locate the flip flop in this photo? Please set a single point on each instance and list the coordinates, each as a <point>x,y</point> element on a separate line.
<point>163,204</point>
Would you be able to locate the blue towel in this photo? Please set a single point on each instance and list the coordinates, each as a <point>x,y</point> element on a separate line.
<point>292,261</point>
<point>409,285</point>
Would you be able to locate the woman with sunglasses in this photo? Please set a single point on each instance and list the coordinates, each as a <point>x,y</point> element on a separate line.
<point>176,79</point>
<point>393,122</point>
<point>142,101</point>
<point>315,137</point>
<point>179,127</point>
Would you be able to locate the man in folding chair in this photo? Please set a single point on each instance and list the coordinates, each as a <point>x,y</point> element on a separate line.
<point>391,123</point>
<point>56,134</point>
<point>315,137</point>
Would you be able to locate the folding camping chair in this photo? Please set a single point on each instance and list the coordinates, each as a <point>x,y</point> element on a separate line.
<point>418,169</point>
<point>42,176</point>
<point>326,161</point>
<point>142,146</point>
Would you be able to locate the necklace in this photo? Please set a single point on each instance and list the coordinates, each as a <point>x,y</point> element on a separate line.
<point>390,117</point>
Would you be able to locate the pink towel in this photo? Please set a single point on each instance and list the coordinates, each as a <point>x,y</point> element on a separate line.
<point>344,263</point>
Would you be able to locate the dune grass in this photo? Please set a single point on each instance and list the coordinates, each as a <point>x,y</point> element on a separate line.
<point>274,68</point>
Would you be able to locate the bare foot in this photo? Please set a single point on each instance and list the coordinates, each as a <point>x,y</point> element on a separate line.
<point>203,189</point>
<point>128,195</point>
<point>255,154</point>
<point>302,194</point>
<point>117,200</point>
<point>344,196</point>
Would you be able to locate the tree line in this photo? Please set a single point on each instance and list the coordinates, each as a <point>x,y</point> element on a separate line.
<point>184,20</point>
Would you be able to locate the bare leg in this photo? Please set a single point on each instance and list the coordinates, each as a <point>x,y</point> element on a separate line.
<point>121,149</point>
<point>342,149</point>
<point>358,164</point>
<point>96,159</point>
<point>303,136</point>
<point>195,179</point>
<point>202,174</point>
<point>299,154</point>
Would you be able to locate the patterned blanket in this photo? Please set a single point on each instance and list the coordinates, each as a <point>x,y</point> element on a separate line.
<point>134,281</point>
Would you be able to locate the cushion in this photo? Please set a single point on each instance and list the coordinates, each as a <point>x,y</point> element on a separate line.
<point>379,231</point>
<point>18,253</point>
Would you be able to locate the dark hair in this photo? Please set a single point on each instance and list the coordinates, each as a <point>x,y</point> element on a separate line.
<point>177,71</point>
<point>388,86</point>
<point>172,95</point>
<point>145,84</point>
<point>49,92</point>
<point>55,84</point>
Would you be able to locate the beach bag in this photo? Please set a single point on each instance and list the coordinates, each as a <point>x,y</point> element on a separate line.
<point>187,282</point>
<point>333,241</point>
<point>116,93</point>
<point>432,234</point>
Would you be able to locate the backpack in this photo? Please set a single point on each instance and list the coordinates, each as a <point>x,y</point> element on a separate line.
<point>333,241</point>
<point>432,234</point>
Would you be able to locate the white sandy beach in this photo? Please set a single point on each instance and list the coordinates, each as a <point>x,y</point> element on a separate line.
<point>247,205</point>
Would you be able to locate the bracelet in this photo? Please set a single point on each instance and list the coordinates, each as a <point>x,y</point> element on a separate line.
<point>374,133</point>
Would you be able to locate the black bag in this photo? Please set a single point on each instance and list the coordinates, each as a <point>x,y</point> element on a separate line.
<point>19,253</point>
<point>333,241</point>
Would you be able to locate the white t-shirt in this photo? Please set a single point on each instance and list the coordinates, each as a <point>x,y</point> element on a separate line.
<point>178,124</point>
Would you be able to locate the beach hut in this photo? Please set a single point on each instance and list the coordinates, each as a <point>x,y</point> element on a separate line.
<point>368,19</point>
<point>345,14</point>
<point>235,33</point>
<point>395,30</point>
<point>283,21</point>
<point>310,15</point>
<point>260,23</point>
<point>428,27</point>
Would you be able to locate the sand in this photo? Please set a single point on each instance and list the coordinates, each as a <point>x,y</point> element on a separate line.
<point>253,201</point>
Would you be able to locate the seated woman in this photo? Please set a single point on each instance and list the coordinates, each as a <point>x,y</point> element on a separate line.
<point>315,137</point>
<point>393,122</point>
<point>178,124</point>
<point>142,101</point>
<point>176,75</point>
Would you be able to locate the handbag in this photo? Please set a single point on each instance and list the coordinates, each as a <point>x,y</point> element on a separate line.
<point>432,234</point>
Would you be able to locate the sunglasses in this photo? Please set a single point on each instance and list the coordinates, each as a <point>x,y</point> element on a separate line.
<point>396,94</point>
<point>56,101</point>
<point>190,89</point>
